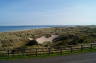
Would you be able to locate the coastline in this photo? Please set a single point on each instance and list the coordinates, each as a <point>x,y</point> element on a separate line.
<point>19,30</point>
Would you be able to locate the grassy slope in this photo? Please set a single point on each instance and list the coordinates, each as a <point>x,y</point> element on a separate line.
<point>19,38</point>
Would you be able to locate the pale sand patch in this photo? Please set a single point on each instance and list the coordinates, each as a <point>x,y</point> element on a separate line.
<point>30,38</point>
<point>44,39</point>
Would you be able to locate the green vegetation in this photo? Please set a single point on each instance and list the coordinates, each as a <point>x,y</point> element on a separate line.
<point>66,36</point>
<point>74,36</point>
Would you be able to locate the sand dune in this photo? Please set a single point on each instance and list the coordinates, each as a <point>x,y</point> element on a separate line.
<point>44,39</point>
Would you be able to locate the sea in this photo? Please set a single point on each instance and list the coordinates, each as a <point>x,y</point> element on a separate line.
<point>17,28</point>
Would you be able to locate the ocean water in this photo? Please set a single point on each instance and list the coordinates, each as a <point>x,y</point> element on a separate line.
<point>15,28</point>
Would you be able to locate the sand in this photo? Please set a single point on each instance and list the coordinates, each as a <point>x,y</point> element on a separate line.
<point>44,39</point>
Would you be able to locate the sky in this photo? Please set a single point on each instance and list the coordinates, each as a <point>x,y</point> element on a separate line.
<point>47,12</point>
